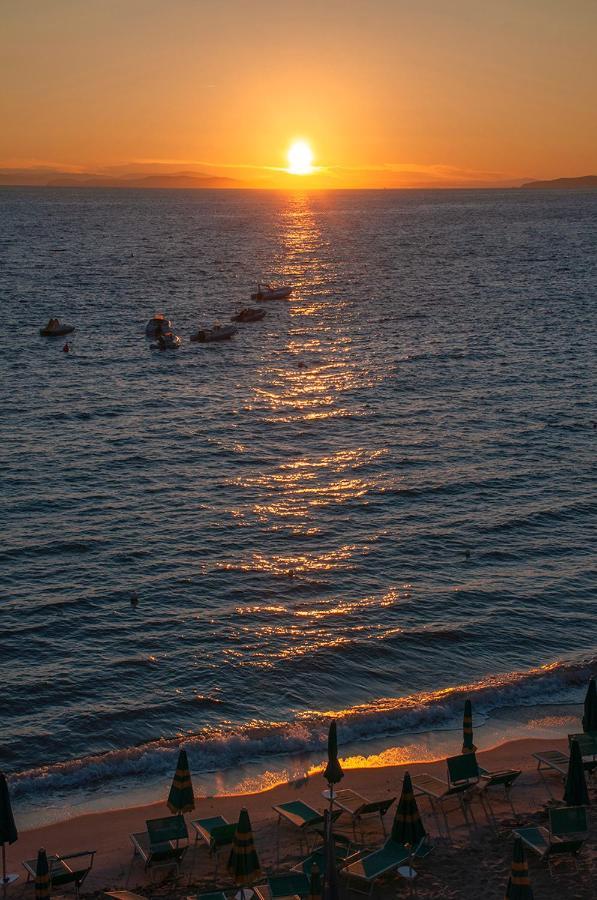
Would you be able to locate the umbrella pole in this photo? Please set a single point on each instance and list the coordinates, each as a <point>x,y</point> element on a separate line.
<point>6,879</point>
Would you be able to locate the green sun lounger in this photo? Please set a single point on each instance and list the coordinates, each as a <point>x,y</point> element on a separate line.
<point>370,867</point>
<point>210,895</point>
<point>303,817</point>
<point>217,833</point>
<point>358,807</point>
<point>567,833</point>
<point>290,884</point>
<point>587,743</point>
<point>163,844</point>
<point>317,857</point>
<point>64,870</point>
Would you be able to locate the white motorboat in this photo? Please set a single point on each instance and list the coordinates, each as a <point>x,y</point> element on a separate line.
<point>250,314</point>
<point>217,333</point>
<point>267,292</point>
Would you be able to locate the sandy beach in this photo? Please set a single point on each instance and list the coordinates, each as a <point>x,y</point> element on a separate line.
<point>474,865</point>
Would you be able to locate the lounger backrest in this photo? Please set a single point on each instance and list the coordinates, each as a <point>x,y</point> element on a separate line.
<point>586,742</point>
<point>568,820</point>
<point>378,806</point>
<point>463,768</point>
<point>222,835</point>
<point>170,828</point>
<point>74,873</point>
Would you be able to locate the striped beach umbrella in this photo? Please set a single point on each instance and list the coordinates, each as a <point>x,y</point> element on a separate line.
<point>519,886</point>
<point>315,883</point>
<point>407,828</point>
<point>243,864</point>
<point>8,830</point>
<point>180,798</point>
<point>589,720</point>
<point>42,877</point>
<point>467,728</point>
<point>575,791</point>
<point>333,771</point>
<point>331,887</point>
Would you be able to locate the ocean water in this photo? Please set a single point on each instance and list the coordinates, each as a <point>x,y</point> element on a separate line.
<point>293,507</point>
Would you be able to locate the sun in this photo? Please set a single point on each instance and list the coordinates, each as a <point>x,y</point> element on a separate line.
<point>300,158</point>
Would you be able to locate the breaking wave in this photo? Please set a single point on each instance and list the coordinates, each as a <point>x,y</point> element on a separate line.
<point>217,749</point>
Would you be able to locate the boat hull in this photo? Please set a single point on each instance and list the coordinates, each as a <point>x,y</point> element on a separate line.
<point>57,332</point>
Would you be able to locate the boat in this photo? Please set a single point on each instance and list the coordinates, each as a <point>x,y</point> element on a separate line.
<point>159,324</point>
<point>267,292</point>
<point>55,329</point>
<point>249,314</point>
<point>217,333</point>
<point>166,341</point>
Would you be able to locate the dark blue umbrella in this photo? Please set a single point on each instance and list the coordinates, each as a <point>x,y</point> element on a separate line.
<point>8,830</point>
<point>575,792</point>
<point>589,720</point>
<point>333,771</point>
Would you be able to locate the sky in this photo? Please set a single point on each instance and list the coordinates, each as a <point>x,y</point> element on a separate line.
<point>388,93</point>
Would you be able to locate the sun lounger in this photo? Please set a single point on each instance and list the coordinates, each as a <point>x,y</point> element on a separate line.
<point>439,793</point>
<point>291,884</point>
<point>566,835</point>
<point>302,816</point>
<point>552,759</point>
<point>164,843</point>
<point>217,833</point>
<point>358,807</point>
<point>70,869</point>
<point>124,895</point>
<point>370,867</point>
<point>588,750</point>
<point>210,895</point>
<point>318,858</point>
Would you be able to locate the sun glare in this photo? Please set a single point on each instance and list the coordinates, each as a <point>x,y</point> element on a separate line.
<point>300,158</point>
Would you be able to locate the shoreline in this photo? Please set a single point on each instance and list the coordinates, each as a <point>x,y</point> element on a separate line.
<point>46,805</point>
<point>108,831</point>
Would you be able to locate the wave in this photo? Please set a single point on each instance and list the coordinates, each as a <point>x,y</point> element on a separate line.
<point>216,749</point>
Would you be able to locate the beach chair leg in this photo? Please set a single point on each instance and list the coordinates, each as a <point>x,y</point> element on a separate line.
<point>508,793</point>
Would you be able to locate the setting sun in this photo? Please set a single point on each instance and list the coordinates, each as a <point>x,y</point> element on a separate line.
<point>300,158</point>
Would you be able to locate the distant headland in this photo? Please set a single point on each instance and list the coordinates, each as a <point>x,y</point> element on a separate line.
<point>584,183</point>
<point>53,178</point>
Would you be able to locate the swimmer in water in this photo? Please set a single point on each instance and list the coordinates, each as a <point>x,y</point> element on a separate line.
<point>66,348</point>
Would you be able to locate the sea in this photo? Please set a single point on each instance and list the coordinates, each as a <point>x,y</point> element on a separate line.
<point>373,504</point>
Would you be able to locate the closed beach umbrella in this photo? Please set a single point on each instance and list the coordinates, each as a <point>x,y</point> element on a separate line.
<point>8,830</point>
<point>519,886</point>
<point>331,888</point>
<point>315,883</point>
<point>408,827</point>
<point>589,720</point>
<point>243,864</point>
<point>467,728</point>
<point>180,798</point>
<point>333,771</point>
<point>575,792</point>
<point>42,877</point>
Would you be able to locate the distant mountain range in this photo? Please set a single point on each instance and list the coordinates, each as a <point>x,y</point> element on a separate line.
<point>585,182</point>
<point>53,178</point>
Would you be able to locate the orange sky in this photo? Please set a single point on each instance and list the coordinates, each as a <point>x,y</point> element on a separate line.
<point>388,92</point>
